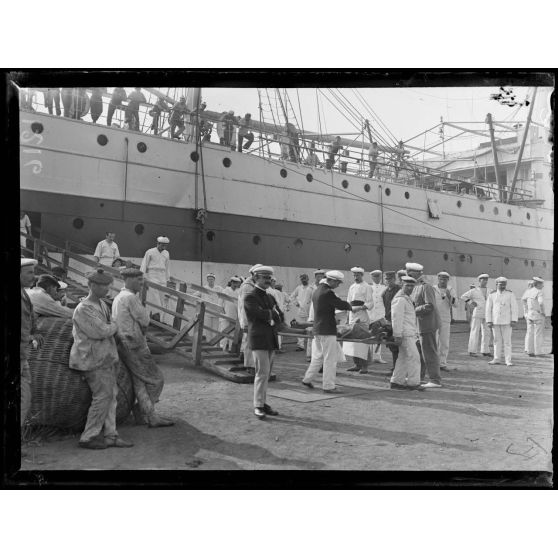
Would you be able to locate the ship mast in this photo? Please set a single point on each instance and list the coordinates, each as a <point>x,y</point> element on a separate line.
<point>495,156</point>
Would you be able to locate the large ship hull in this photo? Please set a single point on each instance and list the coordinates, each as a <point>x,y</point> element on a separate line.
<point>80,180</point>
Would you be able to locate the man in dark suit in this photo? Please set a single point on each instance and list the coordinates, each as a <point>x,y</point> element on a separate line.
<point>324,344</point>
<point>263,315</point>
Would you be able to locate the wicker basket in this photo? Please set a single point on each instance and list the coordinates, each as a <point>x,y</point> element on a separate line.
<point>61,396</point>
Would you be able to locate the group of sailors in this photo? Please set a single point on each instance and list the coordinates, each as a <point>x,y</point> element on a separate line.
<point>420,315</point>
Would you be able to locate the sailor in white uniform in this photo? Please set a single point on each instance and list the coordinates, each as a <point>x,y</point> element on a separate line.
<point>533,309</point>
<point>302,297</point>
<point>378,310</point>
<point>445,301</point>
<point>230,308</point>
<point>501,313</point>
<point>211,320</point>
<point>360,298</point>
<point>156,267</point>
<point>476,298</point>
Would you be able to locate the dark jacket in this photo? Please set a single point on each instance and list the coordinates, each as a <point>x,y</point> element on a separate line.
<point>428,317</point>
<point>325,302</point>
<point>261,308</point>
<point>387,297</point>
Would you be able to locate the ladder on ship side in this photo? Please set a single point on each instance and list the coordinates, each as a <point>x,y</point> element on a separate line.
<point>190,335</point>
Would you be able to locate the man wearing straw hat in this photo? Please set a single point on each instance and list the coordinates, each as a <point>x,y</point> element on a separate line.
<point>132,318</point>
<point>533,310</point>
<point>263,316</point>
<point>324,343</point>
<point>94,354</point>
<point>30,336</point>
<point>156,267</point>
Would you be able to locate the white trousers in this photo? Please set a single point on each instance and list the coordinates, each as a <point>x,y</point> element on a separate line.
<point>478,326</point>
<point>502,341</point>
<point>247,351</point>
<point>301,316</point>
<point>263,362</point>
<point>407,367</point>
<point>160,298</point>
<point>324,353</point>
<point>443,335</point>
<point>534,337</point>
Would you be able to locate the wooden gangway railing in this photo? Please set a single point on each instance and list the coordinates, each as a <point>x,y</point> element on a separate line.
<point>189,312</point>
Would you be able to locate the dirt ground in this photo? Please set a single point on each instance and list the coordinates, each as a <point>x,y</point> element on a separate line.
<point>484,418</point>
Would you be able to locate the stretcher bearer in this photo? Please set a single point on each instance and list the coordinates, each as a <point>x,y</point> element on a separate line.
<point>445,301</point>
<point>476,298</point>
<point>533,309</point>
<point>378,310</point>
<point>156,267</point>
<point>360,299</point>
<point>406,373</point>
<point>319,274</point>
<point>501,313</point>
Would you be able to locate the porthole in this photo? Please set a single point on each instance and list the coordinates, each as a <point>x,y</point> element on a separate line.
<point>309,177</point>
<point>142,148</point>
<point>102,139</point>
<point>407,195</point>
<point>138,229</point>
<point>283,173</point>
<point>528,216</point>
<point>525,262</point>
<point>409,253</point>
<point>345,184</point>
<point>195,156</point>
<point>459,204</point>
<point>101,205</point>
<point>495,211</point>
<point>481,207</point>
<point>210,235</point>
<point>532,263</point>
<point>446,257</point>
<point>367,187</point>
<point>78,223</point>
<point>226,162</point>
<point>347,247</point>
<point>388,192</point>
<point>509,212</point>
<point>461,257</point>
<point>506,261</point>
<point>298,243</point>
<point>37,128</point>
<point>256,239</point>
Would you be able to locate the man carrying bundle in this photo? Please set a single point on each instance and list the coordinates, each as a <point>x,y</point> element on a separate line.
<point>94,353</point>
<point>132,318</point>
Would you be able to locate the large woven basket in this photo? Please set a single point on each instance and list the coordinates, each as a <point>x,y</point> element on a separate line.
<point>61,396</point>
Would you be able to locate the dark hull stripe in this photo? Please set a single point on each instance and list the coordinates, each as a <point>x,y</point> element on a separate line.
<point>248,239</point>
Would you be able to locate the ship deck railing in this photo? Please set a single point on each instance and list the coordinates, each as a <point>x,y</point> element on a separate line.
<point>277,146</point>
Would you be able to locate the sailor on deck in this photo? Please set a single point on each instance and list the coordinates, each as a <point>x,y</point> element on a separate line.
<point>533,309</point>
<point>302,297</point>
<point>107,250</point>
<point>501,313</point>
<point>360,298</point>
<point>230,308</point>
<point>477,300</point>
<point>132,318</point>
<point>94,353</point>
<point>445,301</point>
<point>378,310</point>
<point>212,321</point>
<point>156,267</point>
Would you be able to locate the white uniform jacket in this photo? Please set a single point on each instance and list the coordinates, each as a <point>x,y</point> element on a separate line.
<point>445,301</point>
<point>378,310</point>
<point>476,295</point>
<point>156,265</point>
<point>501,308</point>
<point>361,291</point>
<point>303,295</point>
<point>403,318</point>
<point>533,304</point>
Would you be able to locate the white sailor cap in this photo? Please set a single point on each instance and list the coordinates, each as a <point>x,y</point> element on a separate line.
<point>376,272</point>
<point>501,280</point>
<point>322,271</point>
<point>236,278</point>
<point>483,276</point>
<point>62,285</point>
<point>357,269</point>
<point>401,272</point>
<point>334,274</point>
<point>163,239</point>
<point>264,269</point>
<point>254,267</point>
<point>324,280</point>
<point>408,279</point>
<point>409,266</point>
<point>538,280</point>
<point>444,274</point>
<point>28,261</point>
<point>211,275</point>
